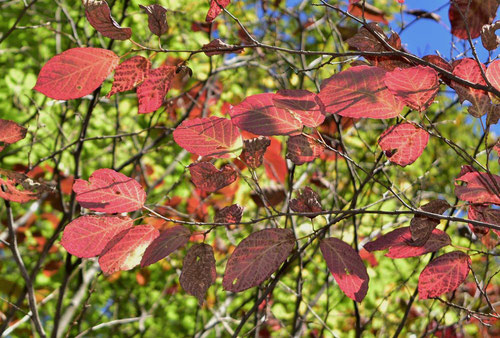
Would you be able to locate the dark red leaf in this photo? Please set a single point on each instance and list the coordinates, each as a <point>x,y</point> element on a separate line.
<point>481,187</point>
<point>403,143</point>
<point>438,61</point>
<point>215,9</point>
<point>75,72</point>
<point>230,214</point>
<point>109,191</point>
<point>483,213</point>
<point>129,74</point>
<point>346,266</point>
<point>421,227</point>
<point>167,242</point>
<point>198,271</point>
<point>125,250</point>
<point>254,150</point>
<point>256,258</point>
<point>307,201</point>
<point>443,274</point>
<point>476,14</point>
<point>100,18</point>
<point>217,47</point>
<point>273,195</point>
<point>152,91</point>
<point>87,236</point>
<point>469,70</point>
<point>359,92</point>
<point>210,136</point>
<point>157,18</point>
<point>306,106</point>
<point>10,132</point>
<point>302,149</point>
<point>206,177</point>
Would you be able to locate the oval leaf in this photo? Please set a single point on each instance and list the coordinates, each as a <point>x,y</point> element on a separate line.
<point>346,266</point>
<point>10,132</point>
<point>404,143</point>
<point>109,191</point>
<point>198,270</point>
<point>443,274</point>
<point>169,240</point>
<point>157,18</point>
<point>152,91</point>
<point>306,105</point>
<point>99,16</point>
<point>129,74</point>
<point>209,136</point>
<point>256,258</point>
<point>206,177</point>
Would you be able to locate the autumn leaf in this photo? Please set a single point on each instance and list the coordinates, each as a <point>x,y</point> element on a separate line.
<point>208,178</point>
<point>152,91</point>
<point>302,149</point>
<point>403,143</point>
<point>215,9</point>
<point>230,214</point>
<point>10,132</point>
<point>476,14</point>
<point>483,213</point>
<point>99,16</point>
<point>157,18</point>
<point>167,242</point>
<point>129,74</point>
<point>480,187</point>
<point>217,47</point>
<point>273,196</point>
<point>307,201</point>
<point>254,150</point>
<point>306,106</point>
<point>469,70</point>
<point>421,227</point>
<point>198,271</point>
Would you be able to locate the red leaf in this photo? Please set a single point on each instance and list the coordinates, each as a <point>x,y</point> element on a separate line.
<point>438,61</point>
<point>75,72</point>
<point>273,195</point>
<point>275,164</point>
<point>109,191</point>
<point>87,236</point>
<point>306,106</point>
<point>10,132</point>
<point>302,149</point>
<point>443,274</point>
<point>483,213</point>
<point>129,74</point>
<point>230,214</point>
<point>346,266</point>
<point>403,143</point>
<point>217,47</point>
<point>254,150</point>
<point>206,177</point>
<point>481,187</point>
<point>421,227</point>
<point>215,9</point>
<point>100,18</point>
<point>157,18</point>
<point>493,74</point>
<point>369,12</point>
<point>469,70</point>
<point>399,243</point>
<point>257,114</point>
<point>256,258</point>
<point>125,250</point>
<point>198,270</point>
<point>152,91</point>
<point>416,86</point>
<point>9,192</point>
<point>210,136</point>
<point>307,201</point>
<point>480,12</point>
<point>167,242</point>
<point>359,92</point>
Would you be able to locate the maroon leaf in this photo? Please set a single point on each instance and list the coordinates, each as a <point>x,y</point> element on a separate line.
<point>403,143</point>
<point>152,91</point>
<point>257,114</point>
<point>109,191</point>
<point>476,14</point>
<point>443,274</point>
<point>481,187</point>
<point>99,17</point>
<point>346,266</point>
<point>167,242</point>
<point>206,177</point>
<point>273,196</point>
<point>230,214</point>
<point>307,201</point>
<point>359,92</point>
<point>87,236</point>
<point>254,150</point>
<point>217,47</point>
<point>215,9</point>
<point>489,38</point>
<point>483,213</point>
<point>198,271</point>
<point>399,243</point>
<point>306,106</point>
<point>210,136</point>
<point>416,86</point>
<point>66,76</point>
<point>302,149</point>
<point>256,258</point>
<point>10,132</point>
<point>129,74</point>
<point>421,227</point>
<point>157,18</point>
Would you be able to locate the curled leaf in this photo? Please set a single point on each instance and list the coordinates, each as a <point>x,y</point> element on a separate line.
<point>421,227</point>
<point>99,16</point>
<point>216,7</point>
<point>157,18</point>
<point>230,214</point>
<point>217,47</point>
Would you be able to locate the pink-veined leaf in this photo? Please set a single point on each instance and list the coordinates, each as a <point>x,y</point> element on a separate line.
<point>481,187</point>
<point>167,242</point>
<point>399,243</point>
<point>109,191</point>
<point>403,143</point>
<point>307,106</point>
<point>230,214</point>
<point>416,86</point>
<point>443,274</point>
<point>258,114</point>
<point>476,14</point>
<point>87,236</point>
<point>469,70</point>
<point>302,149</point>
<point>217,47</point>
<point>215,9</point>
<point>307,201</point>
<point>256,258</point>
<point>421,227</point>
<point>483,213</point>
<point>493,74</point>
<point>129,74</point>
<point>346,266</point>
<point>198,270</point>
<point>359,92</point>
<point>157,18</point>
<point>124,251</point>
<point>210,136</point>
<point>75,72</point>
<point>254,150</point>
<point>208,178</point>
<point>10,132</point>
<point>152,91</point>
<point>99,16</point>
